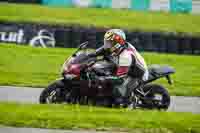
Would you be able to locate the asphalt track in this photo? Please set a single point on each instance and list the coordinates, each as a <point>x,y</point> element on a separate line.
<point>31,95</point>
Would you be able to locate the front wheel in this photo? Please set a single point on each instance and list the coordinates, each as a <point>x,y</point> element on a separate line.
<point>54,93</point>
<point>157,97</point>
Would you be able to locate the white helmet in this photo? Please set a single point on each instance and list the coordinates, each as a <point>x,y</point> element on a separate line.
<point>114,40</point>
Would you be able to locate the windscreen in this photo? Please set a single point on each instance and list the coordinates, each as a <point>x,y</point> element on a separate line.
<point>82,58</point>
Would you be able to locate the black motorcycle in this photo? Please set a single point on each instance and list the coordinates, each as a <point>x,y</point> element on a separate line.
<point>88,81</point>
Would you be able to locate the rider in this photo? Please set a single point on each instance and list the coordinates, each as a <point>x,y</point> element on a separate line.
<point>128,61</point>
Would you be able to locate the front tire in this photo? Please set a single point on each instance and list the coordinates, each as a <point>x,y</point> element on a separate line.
<point>157,98</point>
<point>53,93</point>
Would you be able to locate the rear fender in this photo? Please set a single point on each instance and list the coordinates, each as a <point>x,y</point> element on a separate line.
<point>169,80</point>
<point>157,72</point>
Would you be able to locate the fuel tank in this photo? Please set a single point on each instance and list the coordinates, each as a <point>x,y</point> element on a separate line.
<point>104,68</point>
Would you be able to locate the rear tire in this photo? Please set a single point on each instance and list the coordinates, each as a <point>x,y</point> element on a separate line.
<point>53,93</point>
<point>159,96</point>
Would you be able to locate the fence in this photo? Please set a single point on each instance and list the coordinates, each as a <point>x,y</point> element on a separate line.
<point>195,7</point>
<point>184,6</point>
<point>145,5</point>
<point>71,36</point>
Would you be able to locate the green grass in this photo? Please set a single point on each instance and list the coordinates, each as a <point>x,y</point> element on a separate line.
<point>37,67</point>
<point>28,66</point>
<point>80,117</point>
<point>127,19</point>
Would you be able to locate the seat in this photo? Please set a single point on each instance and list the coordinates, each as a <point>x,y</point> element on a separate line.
<point>156,71</point>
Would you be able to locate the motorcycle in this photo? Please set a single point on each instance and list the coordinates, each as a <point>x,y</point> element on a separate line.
<point>87,81</point>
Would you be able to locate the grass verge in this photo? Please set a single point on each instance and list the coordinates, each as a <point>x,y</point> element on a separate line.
<point>127,19</point>
<point>37,67</point>
<point>80,117</point>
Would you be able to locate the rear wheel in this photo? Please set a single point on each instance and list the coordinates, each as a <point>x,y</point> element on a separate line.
<point>157,98</point>
<point>54,93</point>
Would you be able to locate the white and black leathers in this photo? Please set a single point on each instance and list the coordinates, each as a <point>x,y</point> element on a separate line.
<point>128,63</point>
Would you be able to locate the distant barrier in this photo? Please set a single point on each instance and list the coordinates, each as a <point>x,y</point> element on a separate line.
<point>196,7</point>
<point>183,6</point>
<point>71,36</point>
<point>23,1</point>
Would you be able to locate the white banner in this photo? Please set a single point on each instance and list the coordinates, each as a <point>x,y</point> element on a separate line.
<point>82,3</point>
<point>195,6</point>
<point>121,4</point>
<point>160,5</point>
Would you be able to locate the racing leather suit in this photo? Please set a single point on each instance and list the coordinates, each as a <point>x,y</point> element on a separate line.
<point>130,64</point>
